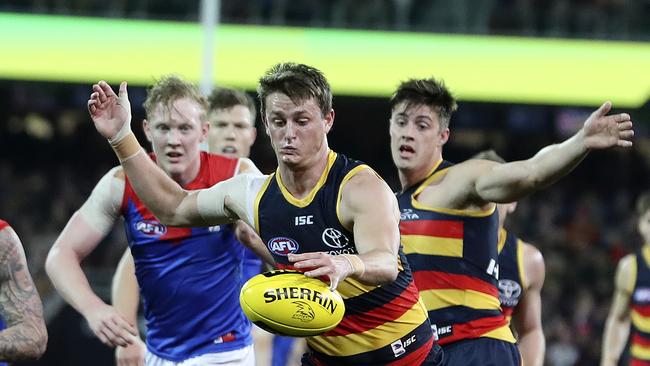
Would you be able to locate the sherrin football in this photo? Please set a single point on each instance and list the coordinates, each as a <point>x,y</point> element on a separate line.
<point>290,303</point>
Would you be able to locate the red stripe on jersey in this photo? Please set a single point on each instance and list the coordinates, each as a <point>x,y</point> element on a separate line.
<point>473,329</point>
<point>640,340</point>
<point>359,323</point>
<point>507,311</point>
<point>3,224</point>
<point>643,310</point>
<point>439,228</point>
<point>435,280</point>
<point>416,357</point>
<point>637,362</point>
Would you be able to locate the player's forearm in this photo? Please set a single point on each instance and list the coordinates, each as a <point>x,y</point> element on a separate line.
<point>124,292</point>
<point>532,346</point>
<point>379,268</point>
<point>511,181</point>
<point>615,337</point>
<point>23,341</point>
<point>555,161</point>
<point>64,270</point>
<point>157,191</point>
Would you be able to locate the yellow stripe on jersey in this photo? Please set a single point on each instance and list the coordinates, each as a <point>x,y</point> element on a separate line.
<point>638,351</point>
<point>503,333</point>
<point>424,244</point>
<point>442,298</point>
<point>400,267</point>
<point>503,234</point>
<point>640,322</point>
<point>520,266</point>
<point>382,335</point>
<point>304,202</point>
<point>351,288</point>
<point>256,214</point>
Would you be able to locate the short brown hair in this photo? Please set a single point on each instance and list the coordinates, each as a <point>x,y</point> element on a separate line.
<point>169,89</point>
<point>643,203</point>
<point>489,155</point>
<point>297,81</point>
<point>226,98</point>
<point>429,92</point>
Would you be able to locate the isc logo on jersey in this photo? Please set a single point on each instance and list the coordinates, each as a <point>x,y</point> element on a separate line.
<point>150,227</point>
<point>282,246</point>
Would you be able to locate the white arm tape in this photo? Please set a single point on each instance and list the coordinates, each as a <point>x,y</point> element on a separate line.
<point>102,207</point>
<point>211,201</point>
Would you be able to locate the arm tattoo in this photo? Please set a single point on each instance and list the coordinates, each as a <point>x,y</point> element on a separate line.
<point>20,306</point>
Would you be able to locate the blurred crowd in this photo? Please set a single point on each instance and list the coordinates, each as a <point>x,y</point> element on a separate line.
<point>50,158</point>
<point>601,19</point>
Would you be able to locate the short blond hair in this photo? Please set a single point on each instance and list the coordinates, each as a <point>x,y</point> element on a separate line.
<point>169,89</point>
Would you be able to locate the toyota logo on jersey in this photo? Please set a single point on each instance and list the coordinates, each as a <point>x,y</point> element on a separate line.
<point>282,246</point>
<point>334,238</point>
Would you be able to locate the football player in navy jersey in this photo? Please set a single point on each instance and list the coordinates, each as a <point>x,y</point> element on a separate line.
<point>521,277</point>
<point>450,225</point>
<point>313,192</point>
<point>629,316</point>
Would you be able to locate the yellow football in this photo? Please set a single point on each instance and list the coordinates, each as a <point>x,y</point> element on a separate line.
<point>290,303</point>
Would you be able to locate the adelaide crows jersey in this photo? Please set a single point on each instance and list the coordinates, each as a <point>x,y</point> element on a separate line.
<point>640,310</point>
<point>382,324</point>
<point>511,272</point>
<point>453,255</point>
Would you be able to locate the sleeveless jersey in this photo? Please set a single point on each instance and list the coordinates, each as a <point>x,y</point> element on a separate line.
<point>3,225</point>
<point>453,255</point>
<point>511,272</point>
<point>189,278</point>
<point>382,325</point>
<point>640,310</point>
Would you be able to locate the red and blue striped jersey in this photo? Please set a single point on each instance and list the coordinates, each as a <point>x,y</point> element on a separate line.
<point>189,278</point>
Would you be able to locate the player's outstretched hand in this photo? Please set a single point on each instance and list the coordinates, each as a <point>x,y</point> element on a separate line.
<point>110,112</point>
<point>110,327</point>
<point>131,355</point>
<point>602,131</point>
<point>317,264</point>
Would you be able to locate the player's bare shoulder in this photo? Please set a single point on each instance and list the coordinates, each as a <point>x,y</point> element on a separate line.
<point>454,187</point>
<point>533,265</point>
<point>362,191</point>
<point>626,273</point>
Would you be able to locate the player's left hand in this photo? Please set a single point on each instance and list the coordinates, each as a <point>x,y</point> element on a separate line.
<point>602,131</point>
<point>110,112</point>
<point>318,264</point>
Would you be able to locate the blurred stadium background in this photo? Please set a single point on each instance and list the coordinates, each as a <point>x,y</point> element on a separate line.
<point>527,72</point>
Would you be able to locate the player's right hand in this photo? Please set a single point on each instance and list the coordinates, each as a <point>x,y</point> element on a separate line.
<point>131,355</point>
<point>110,327</point>
<point>111,113</point>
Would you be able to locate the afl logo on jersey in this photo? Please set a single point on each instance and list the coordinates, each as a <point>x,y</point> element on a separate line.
<point>509,292</point>
<point>150,227</point>
<point>282,246</point>
<point>334,238</point>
